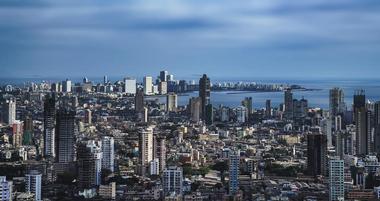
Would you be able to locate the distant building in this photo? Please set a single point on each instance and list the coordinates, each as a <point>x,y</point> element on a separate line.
<point>288,103</point>
<point>241,114</point>
<point>108,191</point>
<point>337,105</point>
<point>268,108</point>
<point>160,151</point>
<point>89,158</point>
<point>209,114</point>
<point>66,86</point>
<point>173,181</point>
<point>33,182</point>
<point>247,103</point>
<point>148,85</point>
<point>139,101</point>
<point>28,130</point>
<point>9,111</point>
<point>108,150</point>
<point>163,88</point>
<point>49,126</point>
<point>163,75</point>
<point>65,136</point>
<point>362,121</point>
<point>154,167</point>
<point>171,102</point>
<point>87,116</point>
<point>195,108</point>
<point>130,85</point>
<point>376,118</point>
<point>204,94</point>
<point>17,133</point>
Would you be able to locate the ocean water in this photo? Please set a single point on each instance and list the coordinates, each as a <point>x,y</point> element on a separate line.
<point>316,98</point>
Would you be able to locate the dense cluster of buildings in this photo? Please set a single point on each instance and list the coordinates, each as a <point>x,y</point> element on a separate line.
<point>117,141</point>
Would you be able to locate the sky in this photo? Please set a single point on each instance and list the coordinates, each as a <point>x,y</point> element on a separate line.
<point>223,38</point>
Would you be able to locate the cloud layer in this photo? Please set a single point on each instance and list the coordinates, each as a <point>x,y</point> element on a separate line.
<point>317,38</point>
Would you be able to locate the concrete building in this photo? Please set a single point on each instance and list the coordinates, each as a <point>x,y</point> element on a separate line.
<point>148,85</point>
<point>6,188</point>
<point>145,149</point>
<point>173,180</point>
<point>171,102</point>
<point>234,168</point>
<point>130,85</point>
<point>336,179</point>
<point>9,111</point>
<point>108,149</point>
<point>33,182</point>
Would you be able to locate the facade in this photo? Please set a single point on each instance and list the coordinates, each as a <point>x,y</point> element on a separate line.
<point>33,182</point>
<point>49,126</point>
<point>234,164</point>
<point>65,136</point>
<point>316,154</point>
<point>145,149</point>
<point>171,102</point>
<point>130,85</point>
<point>108,149</point>
<point>89,157</point>
<point>6,188</point>
<point>336,180</point>
<point>173,180</point>
<point>204,94</point>
<point>108,191</point>
<point>9,111</point>
<point>148,85</point>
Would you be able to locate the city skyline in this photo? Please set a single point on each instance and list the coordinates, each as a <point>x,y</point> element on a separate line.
<point>250,39</point>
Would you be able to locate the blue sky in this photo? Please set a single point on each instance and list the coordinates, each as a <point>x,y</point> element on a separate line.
<point>239,38</point>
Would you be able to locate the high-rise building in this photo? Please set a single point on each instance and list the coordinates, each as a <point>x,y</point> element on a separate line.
<point>17,133</point>
<point>248,104</point>
<point>108,150</point>
<point>234,168</point>
<point>163,88</point>
<point>326,129</point>
<point>337,104</point>
<point>87,116</point>
<point>28,130</point>
<point>209,114</point>
<point>288,103</point>
<point>6,188</point>
<point>154,167</point>
<point>65,136</point>
<point>204,94</point>
<point>316,154</point>
<point>89,158</point>
<point>139,101</point>
<point>66,86</point>
<point>173,180</point>
<point>9,111</point>
<point>376,121</point>
<point>105,79</point>
<point>49,126</point>
<point>130,85</point>
<point>33,182</point>
<point>195,108</point>
<point>241,114</point>
<point>268,108</point>
<point>163,75</point>
<point>336,179</point>
<point>171,102</point>
<point>145,149</point>
<point>148,85</point>
<point>360,117</point>
<point>160,151</point>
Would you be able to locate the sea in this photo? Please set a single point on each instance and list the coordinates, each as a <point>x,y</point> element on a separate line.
<point>318,97</point>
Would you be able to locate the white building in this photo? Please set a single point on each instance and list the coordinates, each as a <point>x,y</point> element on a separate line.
<point>241,113</point>
<point>154,167</point>
<point>108,150</point>
<point>9,111</point>
<point>148,86</point>
<point>145,148</point>
<point>336,180</point>
<point>66,86</point>
<point>33,182</point>
<point>130,85</point>
<point>171,102</point>
<point>173,180</point>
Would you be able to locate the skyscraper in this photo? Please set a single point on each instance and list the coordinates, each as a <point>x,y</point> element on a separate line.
<point>17,133</point>
<point>49,126</point>
<point>28,130</point>
<point>139,101</point>
<point>66,86</point>
<point>376,118</point>
<point>145,149</point>
<point>148,86</point>
<point>234,164</point>
<point>33,182</point>
<point>316,154</point>
<point>89,164</point>
<point>160,151</point>
<point>173,180</point>
<point>209,114</point>
<point>268,108</point>
<point>108,150</point>
<point>195,108</point>
<point>87,116</point>
<point>130,85</point>
<point>9,111</point>
<point>163,75</point>
<point>204,94</point>
<point>337,104</point>
<point>65,136</point>
<point>361,115</point>
<point>288,102</point>
<point>336,179</point>
<point>248,104</point>
<point>163,88</point>
<point>171,102</point>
